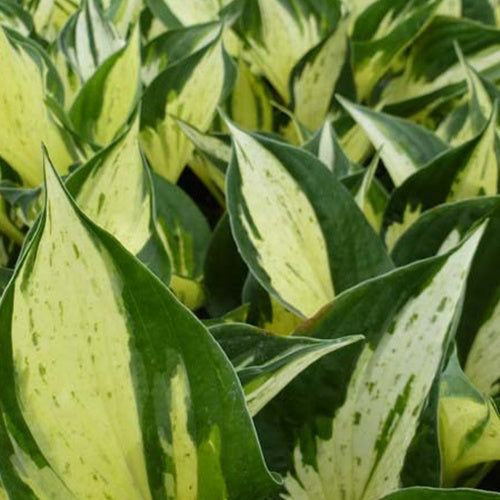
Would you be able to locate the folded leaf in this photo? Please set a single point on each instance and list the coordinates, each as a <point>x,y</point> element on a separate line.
<point>104,398</point>
<point>266,363</point>
<point>296,227</point>
<point>469,429</point>
<point>324,145</point>
<point>404,147</point>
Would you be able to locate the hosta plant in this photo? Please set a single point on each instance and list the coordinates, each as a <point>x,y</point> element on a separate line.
<point>249,249</point>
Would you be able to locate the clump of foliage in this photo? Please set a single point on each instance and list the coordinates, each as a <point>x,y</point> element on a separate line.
<point>250,249</point>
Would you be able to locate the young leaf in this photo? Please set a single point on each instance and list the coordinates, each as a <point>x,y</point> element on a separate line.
<point>29,79</point>
<point>433,72</point>
<point>114,190</point>
<point>119,402</point>
<point>190,90</point>
<point>325,145</point>
<point>372,58</point>
<point>280,194</point>
<point>315,77</point>
<point>404,147</point>
<point>250,101</point>
<point>88,39</point>
<point>266,363</point>
<point>464,172</point>
<point>107,99</point>
<point>376,397</point>
<point>280,33</point>
<point>469,429</point>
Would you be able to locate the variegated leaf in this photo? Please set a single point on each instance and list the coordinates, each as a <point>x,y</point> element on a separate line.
<point>404,146</point>
<point>249,103</point>
<point>114,189</point>
<point>280,33</point>
<point>102,399</point>
<point>373,57</point>
<point>88,39</point>
<point>190,89</point>
<point>277,193</point>
<point>315,78</point>
<point>29,82</point>
<point>464,172</point>
<point>176,13</point>
<point>433,72</point>
<point>266,363</point>
<point>469,429</point>
<point>107,99</point>
<point>186,235</point>
<point>325,145</point>
<point>355,440</point>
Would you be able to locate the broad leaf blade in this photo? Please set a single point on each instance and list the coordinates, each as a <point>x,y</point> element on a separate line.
<point>277,193</point>
<point>172,419</point>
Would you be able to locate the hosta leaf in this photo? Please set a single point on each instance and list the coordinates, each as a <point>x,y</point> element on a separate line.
<point>266,311</point>
<point>14,17</point>
<point>280,33</point>
<point>371,198</point>
<point>479,10</point>
<point>441,494</point>
<point>404,147</point>
<point>114,190</point>
<point>464,172</point>
<point>438,230</point>
<point>223,287</point>
<point>478,338</point>
<point>466,121</point>
<point>325,145</point>
<point>441,228</point>
<point>369,193</point>
<point>266,363</point>
<point>107,99</point>
<point>190,90</point>
<point>119,402</point>
<point>88,39</point>
<point>433,71</point>
<point>50,16</point>
<point>186,235</point>
<point>210,159</point>
<point>469,429</point>
<point>278,193</point>
<point>29,80</point>
<point>249,103</point>
<point>315,78</point>
<point>124,13</point>
<point>372,58</point>
<point>175,13</point>
<point>355,437</point>
<point>174,45</point>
